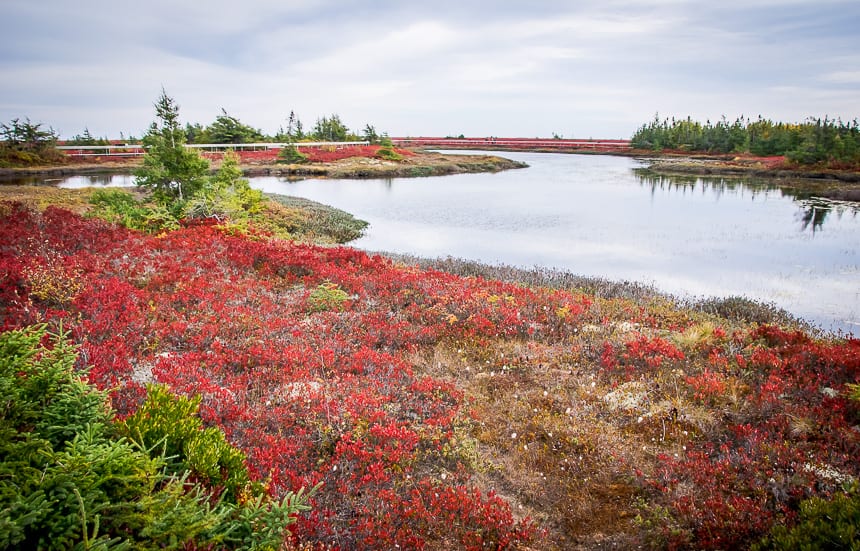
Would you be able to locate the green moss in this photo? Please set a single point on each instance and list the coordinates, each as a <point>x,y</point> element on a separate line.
<point>833,524</point>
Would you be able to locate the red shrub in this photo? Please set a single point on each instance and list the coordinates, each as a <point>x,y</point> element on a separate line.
<point>310,396</point>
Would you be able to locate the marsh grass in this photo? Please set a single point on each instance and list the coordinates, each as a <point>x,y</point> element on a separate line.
<point>317,222</point>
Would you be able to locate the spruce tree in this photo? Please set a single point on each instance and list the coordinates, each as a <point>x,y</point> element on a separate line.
<point>171,171</point>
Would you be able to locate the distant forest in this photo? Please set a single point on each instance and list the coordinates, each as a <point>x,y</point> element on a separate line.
<point>826,141</point>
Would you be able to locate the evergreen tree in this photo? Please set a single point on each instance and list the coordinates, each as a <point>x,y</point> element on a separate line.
<point>26,136</point>
<point>330,129</point>
<point>171,171</point>
<point>229,129</point>
<point>369,134</point>
<point>72,477</point>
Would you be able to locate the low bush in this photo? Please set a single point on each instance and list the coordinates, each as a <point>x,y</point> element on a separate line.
<point>744,309</point>
<point>822,524</point>
<point>169,426</point>
<point>327,296</point>
<point>68,479</point>
<point>227,196</point>
<point>121,207</point>
<point>292,155</point>
<point>438,411</point>
<point>311,221</point>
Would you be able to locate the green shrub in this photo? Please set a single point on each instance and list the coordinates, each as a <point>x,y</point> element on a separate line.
<point>68,479</point>
<point>121,207</point>
<point>312,221</point>
<point>743,309</point>
<point>327,296</point>
<point>226,195</point>
<point>169,427</point>
<point>388,154</point>
<point>292,155</point>
<point>387,150</point>
<point>833,524</point>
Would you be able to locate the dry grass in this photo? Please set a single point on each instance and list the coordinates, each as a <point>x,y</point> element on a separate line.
<point>40,197</point>
<point>559,437</point>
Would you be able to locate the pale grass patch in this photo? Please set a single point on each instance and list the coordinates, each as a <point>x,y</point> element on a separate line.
<point>695,336</point>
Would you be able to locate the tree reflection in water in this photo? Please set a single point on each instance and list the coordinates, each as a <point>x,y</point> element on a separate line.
<point>815,210</point>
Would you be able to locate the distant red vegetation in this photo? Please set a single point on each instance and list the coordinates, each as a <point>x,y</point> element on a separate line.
<point>326,154</point>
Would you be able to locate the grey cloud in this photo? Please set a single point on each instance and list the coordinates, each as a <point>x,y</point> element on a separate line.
<point>600,68</point>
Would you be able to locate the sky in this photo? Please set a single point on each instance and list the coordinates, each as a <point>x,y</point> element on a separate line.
<point>538,68</point>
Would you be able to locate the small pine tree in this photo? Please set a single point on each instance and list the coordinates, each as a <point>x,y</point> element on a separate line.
<point>292,155</point>
<point>172,172</point>
<point>387,150</point>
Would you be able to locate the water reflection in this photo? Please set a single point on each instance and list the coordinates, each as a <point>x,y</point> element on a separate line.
<point>601,216</point>
<point>99,180</point>
<point>73,182</point>
<point>812,216</point>
<point>816,210</point>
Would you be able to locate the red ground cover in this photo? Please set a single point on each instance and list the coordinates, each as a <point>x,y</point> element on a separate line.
<point>325,154</point>
<point>329,394</point>
<point>311,396</point>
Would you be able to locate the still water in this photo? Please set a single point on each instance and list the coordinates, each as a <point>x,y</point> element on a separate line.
<point>602,216</point>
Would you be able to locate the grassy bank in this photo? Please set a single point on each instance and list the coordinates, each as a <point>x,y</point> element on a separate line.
<point>418,164</point>
<point>734,308</point>
<point>457,408</point>
<point>301,219</point>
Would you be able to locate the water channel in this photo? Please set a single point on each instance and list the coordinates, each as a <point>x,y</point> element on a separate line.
<point>603,216</point>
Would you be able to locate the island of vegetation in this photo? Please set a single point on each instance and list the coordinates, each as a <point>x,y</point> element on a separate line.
<point>177,374</point>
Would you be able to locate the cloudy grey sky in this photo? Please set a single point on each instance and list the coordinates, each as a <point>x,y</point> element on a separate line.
<point>590,68</point>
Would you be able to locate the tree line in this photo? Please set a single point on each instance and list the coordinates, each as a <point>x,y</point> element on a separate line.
<point>24,143</point>
<point>24,135</point>
<point>814,141</point>
<point>228,129</point>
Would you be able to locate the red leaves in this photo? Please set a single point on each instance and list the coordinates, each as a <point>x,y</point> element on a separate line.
<point>640,355</point>
<point>330,395</point>
<point>730,490</point>
<point>323,154</point>
<point>322,395</point>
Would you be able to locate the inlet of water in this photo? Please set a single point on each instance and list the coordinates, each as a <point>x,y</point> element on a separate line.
<point>603,216</point>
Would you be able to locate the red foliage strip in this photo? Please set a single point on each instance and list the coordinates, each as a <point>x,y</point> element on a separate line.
<point>639,355</point>
<point>323,154</point>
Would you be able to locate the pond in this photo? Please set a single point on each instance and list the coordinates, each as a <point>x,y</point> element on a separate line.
<point>604,216</point>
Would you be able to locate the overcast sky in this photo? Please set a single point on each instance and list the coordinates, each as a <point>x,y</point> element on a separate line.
<point>591,68</point>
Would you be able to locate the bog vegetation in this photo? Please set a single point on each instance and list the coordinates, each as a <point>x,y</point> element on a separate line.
<point>438,411</point>
<point>207,384</point>
<point>75,476</point>
<point>814,142</point>
<point>181,188</point>
<point>27,144</point>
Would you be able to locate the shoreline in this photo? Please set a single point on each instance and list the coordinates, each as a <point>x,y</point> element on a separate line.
<point>429,163</point>
<point>420,165</point>
<point>840,185</point>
